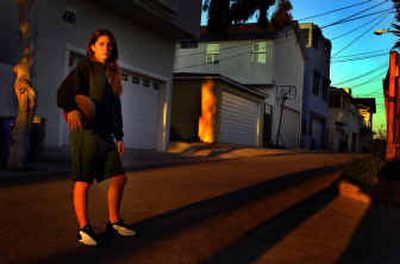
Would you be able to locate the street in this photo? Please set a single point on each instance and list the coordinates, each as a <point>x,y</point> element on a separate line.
<point>38,224</point>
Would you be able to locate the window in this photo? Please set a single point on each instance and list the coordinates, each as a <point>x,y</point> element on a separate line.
<point>135,79</point>
<point>212,54</point>
<point>315,38</point>
<point>259,53</point>
<point>189,44</point>
<point>316,83</point>
<point>146,82</point>
<point>305,35</point>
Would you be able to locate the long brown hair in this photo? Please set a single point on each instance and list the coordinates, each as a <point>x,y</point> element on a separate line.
<point>112,68</point>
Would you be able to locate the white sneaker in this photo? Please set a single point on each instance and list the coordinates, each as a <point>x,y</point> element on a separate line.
<point>87,236</point>
<point>120,228</point>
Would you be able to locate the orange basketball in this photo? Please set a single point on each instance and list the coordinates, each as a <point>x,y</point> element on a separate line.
<point>86,105</point>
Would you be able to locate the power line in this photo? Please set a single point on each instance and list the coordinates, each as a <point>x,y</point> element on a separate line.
<point>202,52</point>
<point>361,75</point>
<point>369,80</point>
<point>360,36</point>
<point>334,10</point>
<point>362,53</point>
<point>224,59</point>
<point>360,58</point>
<point>353,29</point>
<point>347,20</point>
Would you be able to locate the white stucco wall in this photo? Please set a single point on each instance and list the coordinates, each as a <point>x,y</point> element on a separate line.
<point>289,70</point>
<point>349,117</point>
<point>139,49</point>
<point>234,61</point>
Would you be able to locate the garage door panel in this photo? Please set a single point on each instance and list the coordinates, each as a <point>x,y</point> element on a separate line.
<point>238,120</point>
<point>140,106</point>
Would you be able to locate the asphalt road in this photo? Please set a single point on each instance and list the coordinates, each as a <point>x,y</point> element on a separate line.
<point>37,224</point>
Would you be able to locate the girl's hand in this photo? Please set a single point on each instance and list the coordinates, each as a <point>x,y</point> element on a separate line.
<point>74,120</point>
<point>120,147</point>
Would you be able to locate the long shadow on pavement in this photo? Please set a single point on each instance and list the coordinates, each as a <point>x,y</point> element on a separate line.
<point>257,241</point>
<point>161,226</point>
<point>377,237</point>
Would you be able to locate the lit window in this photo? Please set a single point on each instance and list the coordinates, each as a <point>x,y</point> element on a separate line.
<point>305,34</point>
<point>212,54</point>
<point>259,53</point>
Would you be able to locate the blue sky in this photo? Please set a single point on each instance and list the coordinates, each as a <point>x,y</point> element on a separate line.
<point>362,30</point>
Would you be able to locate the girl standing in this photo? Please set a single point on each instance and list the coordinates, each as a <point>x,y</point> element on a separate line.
<point>90,98</point>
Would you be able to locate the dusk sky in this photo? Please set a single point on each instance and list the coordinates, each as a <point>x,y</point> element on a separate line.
<point>349,40</point>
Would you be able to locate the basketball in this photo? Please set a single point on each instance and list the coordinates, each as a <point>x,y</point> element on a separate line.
<point>86,105</point>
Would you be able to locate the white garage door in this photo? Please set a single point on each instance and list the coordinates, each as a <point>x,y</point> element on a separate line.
<point>238,120</point>
<point>290,129</point>
<point>140,108</point>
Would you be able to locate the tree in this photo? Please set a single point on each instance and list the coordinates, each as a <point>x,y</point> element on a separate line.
<point>218,16</point>
<point>242,10</point>
<point>282,17</point>
<point>223,13</point>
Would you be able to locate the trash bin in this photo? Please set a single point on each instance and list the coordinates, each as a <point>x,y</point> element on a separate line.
<point>5,134</point>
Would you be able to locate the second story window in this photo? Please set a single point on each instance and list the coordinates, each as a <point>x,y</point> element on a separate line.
<point>212,54</point>
<point>188,44</point>
<point>305,34</point>
<point>259,52</point>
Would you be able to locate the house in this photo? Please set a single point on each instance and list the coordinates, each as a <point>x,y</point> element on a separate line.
<point>146,33</point>
<point>343,122</point>
<point>271,63</point>
<point>213,108</point>
<point>366,109</point>
<point>315,108</point>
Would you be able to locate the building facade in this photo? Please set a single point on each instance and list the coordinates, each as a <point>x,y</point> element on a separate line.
<point>344,122</point>
<point>213,108</point>
<point>366,109</point>
<point>146,33</point>
<point>268,62</point>
<point>315,107</point>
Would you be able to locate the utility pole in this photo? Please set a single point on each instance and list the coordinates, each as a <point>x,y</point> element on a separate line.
<point>289,93</point>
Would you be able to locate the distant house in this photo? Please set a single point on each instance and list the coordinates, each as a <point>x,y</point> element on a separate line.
<point>316,87</point>
<point>214,108</point>
<point>268,62</point>
<point>366,108</point>
<point>146,33</point>
<point>343,122</point>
